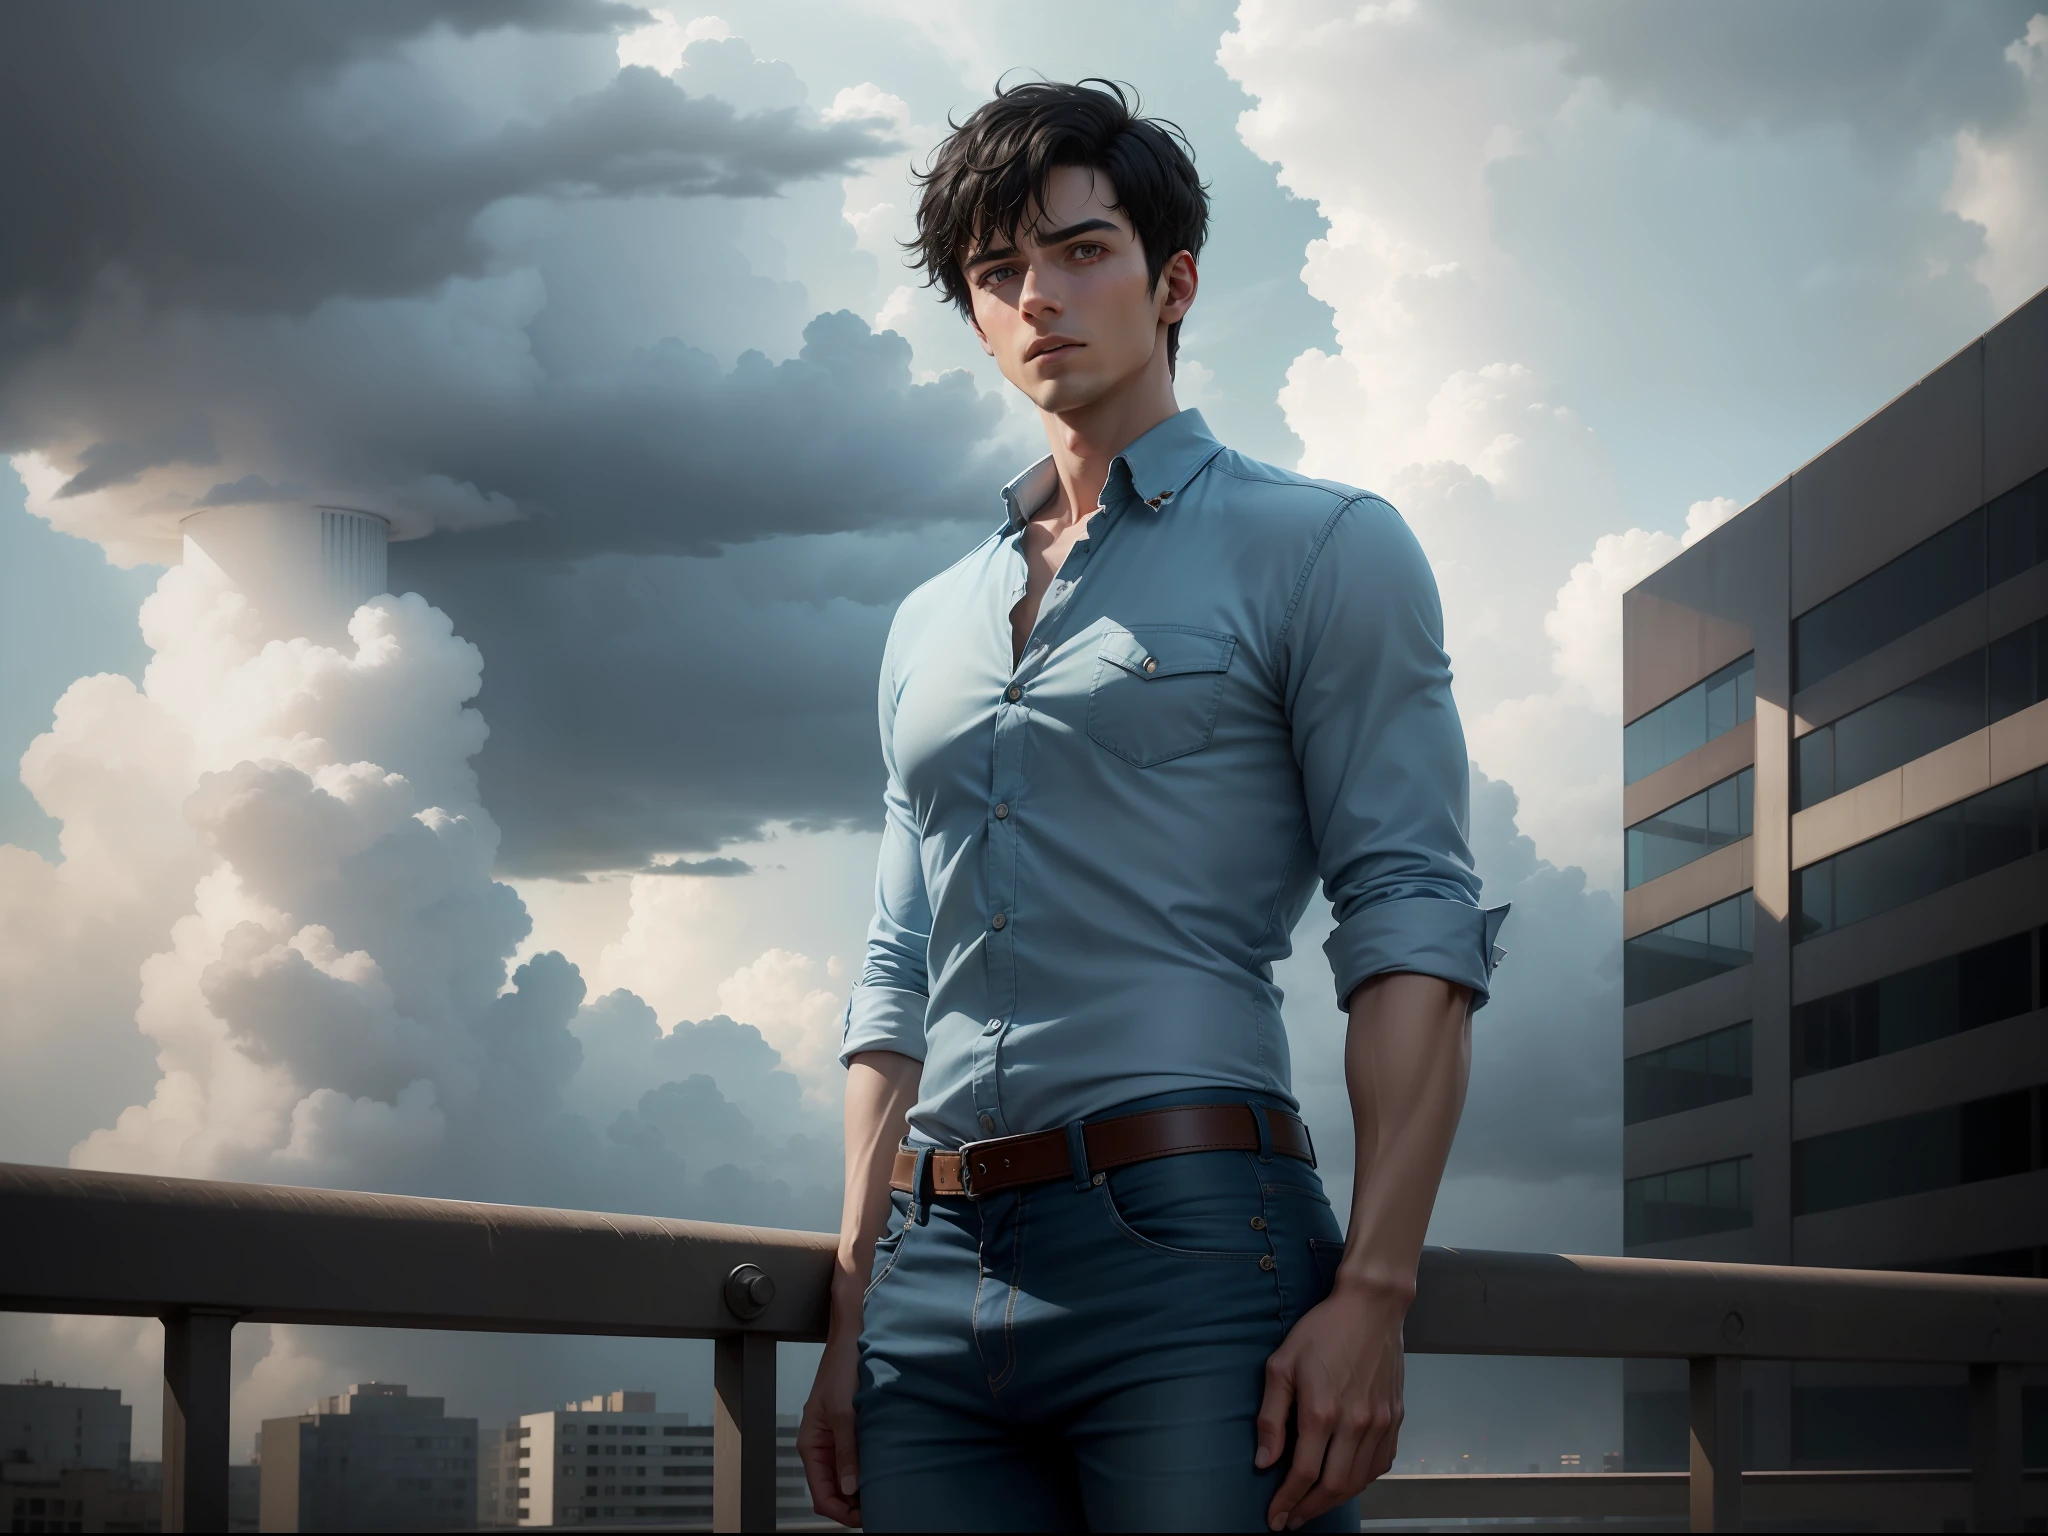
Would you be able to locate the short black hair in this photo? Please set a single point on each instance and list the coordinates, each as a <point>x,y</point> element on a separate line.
<point>985,176</point>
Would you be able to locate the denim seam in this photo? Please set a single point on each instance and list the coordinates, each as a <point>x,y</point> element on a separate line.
<point>1010,1306</point>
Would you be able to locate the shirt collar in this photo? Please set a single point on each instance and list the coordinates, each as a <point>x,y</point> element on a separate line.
<point>1159,466</point>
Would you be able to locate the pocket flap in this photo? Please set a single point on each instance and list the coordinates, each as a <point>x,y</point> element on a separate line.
<point>1167,650</point>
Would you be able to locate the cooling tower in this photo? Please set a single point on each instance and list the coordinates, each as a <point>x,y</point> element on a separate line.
<point>305,569</point>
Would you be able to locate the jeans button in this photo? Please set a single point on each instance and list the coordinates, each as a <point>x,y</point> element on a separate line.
<point>1268,1263</point>
<point>1258,1223</point>
<point>986,1122</point>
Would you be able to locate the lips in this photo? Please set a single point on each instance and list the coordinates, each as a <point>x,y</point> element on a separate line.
<point>1047,345</point>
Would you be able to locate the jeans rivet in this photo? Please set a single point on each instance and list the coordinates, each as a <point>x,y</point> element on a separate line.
<point>1268,1263</point>
<point>1098,1179</point>
<point>1258,1223</point>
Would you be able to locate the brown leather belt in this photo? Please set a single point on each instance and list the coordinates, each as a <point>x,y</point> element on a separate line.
<point>983,1168</point>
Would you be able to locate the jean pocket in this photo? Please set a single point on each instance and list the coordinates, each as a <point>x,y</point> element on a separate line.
<point>1156,692</point>
<point>1199,1205</point>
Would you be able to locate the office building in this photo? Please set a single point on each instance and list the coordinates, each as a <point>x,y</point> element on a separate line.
<point>374,1458</point>
<point>1836,802</point>
<point>615,1460</point>
<point>43,1423</point>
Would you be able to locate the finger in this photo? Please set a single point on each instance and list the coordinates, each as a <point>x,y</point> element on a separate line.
<point>1311,1438</point>
<point>847,1448</point>
<point>1347,1474</point>
<point>814,1450</point>
<point>1332,1482</point>
<point>1273,1410</point>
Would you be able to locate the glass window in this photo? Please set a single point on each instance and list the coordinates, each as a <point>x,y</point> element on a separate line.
<point>2018,530</point>
<point>1938,1149</point>
<point>1918,859</point>
<point>1700,944</point>
<point>1925,582</point>
<point>1690,721</point>
<point>1715,817</point>
<point>1912,1007</point>
<point>1929,712</point>
<point>1692,1073</point>
<point>1687,1202</point>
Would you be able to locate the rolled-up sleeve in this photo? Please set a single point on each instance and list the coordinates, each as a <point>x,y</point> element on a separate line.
<point>886,1009</point>
<point>1382,758</point>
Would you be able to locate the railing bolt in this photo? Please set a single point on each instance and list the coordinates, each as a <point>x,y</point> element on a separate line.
<point>748,1291</point>
<point>1731,1327</point>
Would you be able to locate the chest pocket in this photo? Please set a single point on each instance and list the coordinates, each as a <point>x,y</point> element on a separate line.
<point>1157,687</point>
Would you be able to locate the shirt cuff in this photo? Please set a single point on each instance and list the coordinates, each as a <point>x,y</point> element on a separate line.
<point>885,1019</point>
<point>1428,935</point>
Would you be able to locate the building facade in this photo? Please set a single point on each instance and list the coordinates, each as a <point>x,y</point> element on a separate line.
<point>615,1459</point>
<point>46,1424</point>
<point>1836,812</point>
<point>374,1458</point>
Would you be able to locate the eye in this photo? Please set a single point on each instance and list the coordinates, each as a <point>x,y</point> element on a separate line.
<point>995,277</point>
<point>1088,250</point>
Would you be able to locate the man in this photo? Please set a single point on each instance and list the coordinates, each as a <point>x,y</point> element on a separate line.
<point>1123,737</point>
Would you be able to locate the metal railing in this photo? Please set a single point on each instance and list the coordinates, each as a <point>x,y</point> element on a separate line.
<point>204,1256</point>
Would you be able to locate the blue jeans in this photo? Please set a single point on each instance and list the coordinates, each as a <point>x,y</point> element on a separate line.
<point>1084,1356</point>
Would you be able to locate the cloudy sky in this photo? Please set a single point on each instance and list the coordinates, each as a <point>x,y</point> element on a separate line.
<point>547,885</point>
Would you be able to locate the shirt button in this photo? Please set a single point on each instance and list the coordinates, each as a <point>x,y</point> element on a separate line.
<point>1002,810</point>
<point>999,922</point>
<point>1013,693</point>
<point>1151,664</point>
<point>986,1122</point>
<point>991,1026</point>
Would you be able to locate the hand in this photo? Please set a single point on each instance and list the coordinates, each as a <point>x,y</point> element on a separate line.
<point>825,1438</point>
<point>1340,1370</point>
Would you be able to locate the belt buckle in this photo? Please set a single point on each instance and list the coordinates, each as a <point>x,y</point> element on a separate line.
<point>967,1170</point>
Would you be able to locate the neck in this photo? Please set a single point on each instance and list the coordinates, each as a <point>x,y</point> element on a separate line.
<point>1086,441</point>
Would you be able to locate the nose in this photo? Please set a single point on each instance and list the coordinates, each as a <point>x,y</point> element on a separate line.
<point>1036,300</point>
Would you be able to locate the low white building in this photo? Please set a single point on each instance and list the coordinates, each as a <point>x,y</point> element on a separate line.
<point>616,1460</point>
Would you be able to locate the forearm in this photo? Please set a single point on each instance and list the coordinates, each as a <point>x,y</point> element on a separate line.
<point>1407,1056</point>
<point>880,1088</point>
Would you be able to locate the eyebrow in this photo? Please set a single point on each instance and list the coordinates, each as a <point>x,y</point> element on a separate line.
<point>1053,237</point>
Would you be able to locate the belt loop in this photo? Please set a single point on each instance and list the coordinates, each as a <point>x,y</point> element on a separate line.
<point>920,1187</point>
<point>1265,1131</point>
<point>1077,1154</point>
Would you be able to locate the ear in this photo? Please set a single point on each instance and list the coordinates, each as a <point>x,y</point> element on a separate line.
<point>1178,282</point>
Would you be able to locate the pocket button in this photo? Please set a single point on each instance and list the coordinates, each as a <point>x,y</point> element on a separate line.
<point>1268,1263</point>
<point>1258,1223</point>
<point>1151,664</point>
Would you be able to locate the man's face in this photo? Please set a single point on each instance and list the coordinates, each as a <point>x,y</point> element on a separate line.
<point>1065,306</point>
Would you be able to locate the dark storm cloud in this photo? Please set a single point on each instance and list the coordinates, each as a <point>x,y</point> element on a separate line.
<point>674,455</point>
<point>673,704</point>
<point>203,154</point>
<point>1894,71</point>
<point>316,253</point>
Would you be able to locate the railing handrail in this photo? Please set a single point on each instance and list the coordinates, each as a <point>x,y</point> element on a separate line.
<point>1478,1302</point>
<point>144,1245</point>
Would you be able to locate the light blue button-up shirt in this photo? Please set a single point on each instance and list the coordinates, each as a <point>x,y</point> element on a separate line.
<point>1091,859</point>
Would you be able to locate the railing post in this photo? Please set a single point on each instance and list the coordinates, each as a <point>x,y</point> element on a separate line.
<point>1995,1447</point>
<point>196,1373</point>
<point>1716,1443</point>
<point>743,1434</point>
